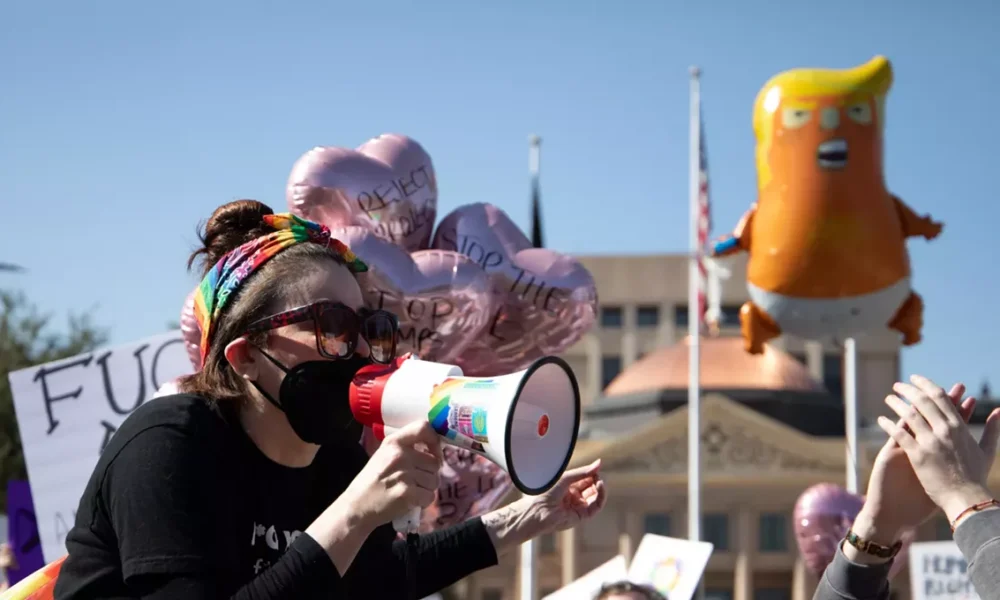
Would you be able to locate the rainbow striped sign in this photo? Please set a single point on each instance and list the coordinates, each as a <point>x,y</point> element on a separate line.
<point>40,585</point>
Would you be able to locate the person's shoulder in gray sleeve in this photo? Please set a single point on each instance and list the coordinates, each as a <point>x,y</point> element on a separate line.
<point>844,579</point>
<point>978,537</point>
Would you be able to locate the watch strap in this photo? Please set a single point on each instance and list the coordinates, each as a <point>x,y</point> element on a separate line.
<point>871,548</point>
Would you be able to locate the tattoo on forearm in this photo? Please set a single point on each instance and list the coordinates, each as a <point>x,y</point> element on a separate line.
<point>501,523</point>
<point>501,517</point>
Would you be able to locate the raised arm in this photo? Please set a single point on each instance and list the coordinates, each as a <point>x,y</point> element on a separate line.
<point>853,575</point>
<point>739,240</point>
<point>915,225</point>
<point>441,558</point>
<point>895,502</point>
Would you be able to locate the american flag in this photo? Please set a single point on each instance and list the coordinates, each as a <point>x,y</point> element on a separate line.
<point>704,212</point>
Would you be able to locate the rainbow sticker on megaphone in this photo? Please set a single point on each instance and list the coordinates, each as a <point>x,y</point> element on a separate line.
<point>464,423</point>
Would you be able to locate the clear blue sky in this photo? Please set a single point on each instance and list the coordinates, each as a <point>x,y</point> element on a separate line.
<point>122,126</point>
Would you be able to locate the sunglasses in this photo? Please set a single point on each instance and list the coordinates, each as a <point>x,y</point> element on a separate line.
<point>337,328</point>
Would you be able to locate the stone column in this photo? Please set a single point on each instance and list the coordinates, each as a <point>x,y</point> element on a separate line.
<point>567,549</point>
<point>666,331</point>
<point>803,582</point>
<point>743,571</point>
<point>593,345</point>
<point>630,341</point>
<point>814,359</point>
<point>628,527</point>
<point>468,588</point>
<point>518,578</point>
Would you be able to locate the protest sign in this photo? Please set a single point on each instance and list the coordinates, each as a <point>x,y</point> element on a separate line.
<point>22,532</point>
<point>673,566</point>
<point>588,585</point>
<point>67,412</point>
<point>938,571</point>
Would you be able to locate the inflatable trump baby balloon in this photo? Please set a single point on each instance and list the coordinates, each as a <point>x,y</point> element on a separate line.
<point>826,239</point>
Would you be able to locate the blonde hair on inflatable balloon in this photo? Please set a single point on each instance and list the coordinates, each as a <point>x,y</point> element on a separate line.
<point>799,89</point>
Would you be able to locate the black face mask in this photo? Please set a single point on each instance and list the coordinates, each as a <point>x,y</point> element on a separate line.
<point>314,397</point>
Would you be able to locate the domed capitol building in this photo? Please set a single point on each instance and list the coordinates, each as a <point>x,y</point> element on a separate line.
<point>772,425</point>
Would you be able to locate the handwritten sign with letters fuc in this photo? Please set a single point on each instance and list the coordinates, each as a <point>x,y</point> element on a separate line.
<point>938,571</point>
<point>67,412</point>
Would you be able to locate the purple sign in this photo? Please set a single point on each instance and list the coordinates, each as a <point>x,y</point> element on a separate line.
<point>23,531</point>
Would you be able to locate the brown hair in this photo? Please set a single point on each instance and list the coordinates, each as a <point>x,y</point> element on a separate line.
<point>626,587</point>
<point>264,293</point>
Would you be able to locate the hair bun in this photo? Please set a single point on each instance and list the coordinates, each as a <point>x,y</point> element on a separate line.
<point>230,226</point>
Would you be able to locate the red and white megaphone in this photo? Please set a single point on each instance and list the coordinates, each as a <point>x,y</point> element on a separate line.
<point>526,422</point>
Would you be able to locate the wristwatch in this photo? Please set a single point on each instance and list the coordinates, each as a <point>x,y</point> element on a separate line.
<point>871,548</point>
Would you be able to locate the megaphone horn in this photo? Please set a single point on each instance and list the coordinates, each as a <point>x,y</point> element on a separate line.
<point>525,422</point>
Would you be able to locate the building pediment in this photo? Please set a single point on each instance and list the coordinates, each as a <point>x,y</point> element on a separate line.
<point>735,440</point>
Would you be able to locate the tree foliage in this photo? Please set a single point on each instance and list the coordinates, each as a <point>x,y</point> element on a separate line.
<point>25,341</point>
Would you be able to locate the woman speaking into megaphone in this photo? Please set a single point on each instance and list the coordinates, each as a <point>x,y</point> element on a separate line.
<point>251,482</point>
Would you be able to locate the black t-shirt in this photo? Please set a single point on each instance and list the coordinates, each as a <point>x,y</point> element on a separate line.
<point>182,504</point>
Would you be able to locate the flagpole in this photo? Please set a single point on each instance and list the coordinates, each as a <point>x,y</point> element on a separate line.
<point>534,167</point>
<point>851,412</point>
<point>694,319</point>
<point>528,556</point>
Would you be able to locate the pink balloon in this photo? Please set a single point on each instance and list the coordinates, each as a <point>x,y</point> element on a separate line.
<point>547,300</point>
<point>469,486</point>
<point>823,514</point>
<point>443,300</point>
<point>387,184</point>
<point>191,331</point>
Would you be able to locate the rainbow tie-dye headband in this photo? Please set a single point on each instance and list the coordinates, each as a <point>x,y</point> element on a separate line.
<point>233,269</point>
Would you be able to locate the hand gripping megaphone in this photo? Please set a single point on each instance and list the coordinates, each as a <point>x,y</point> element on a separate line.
<point>526,422</point>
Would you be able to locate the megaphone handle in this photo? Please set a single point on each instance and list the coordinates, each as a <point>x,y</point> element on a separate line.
<point>408,523</point>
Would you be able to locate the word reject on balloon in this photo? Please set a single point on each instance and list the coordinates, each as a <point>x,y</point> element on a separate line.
<point>826,239</point>
<point>443,300</point>
<point>545,301</point>
<point>387,184</point>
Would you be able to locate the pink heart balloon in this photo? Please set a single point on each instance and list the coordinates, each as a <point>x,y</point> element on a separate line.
<point>191,331</point>
<point>547,300</point>
<point>443,300</point>
<point>468,486</point>
<point>387,184</point>
<point>823,514</point>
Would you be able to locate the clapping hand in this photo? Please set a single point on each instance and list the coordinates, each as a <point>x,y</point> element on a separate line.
<point>579,495</point>
<point>950,464</point>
